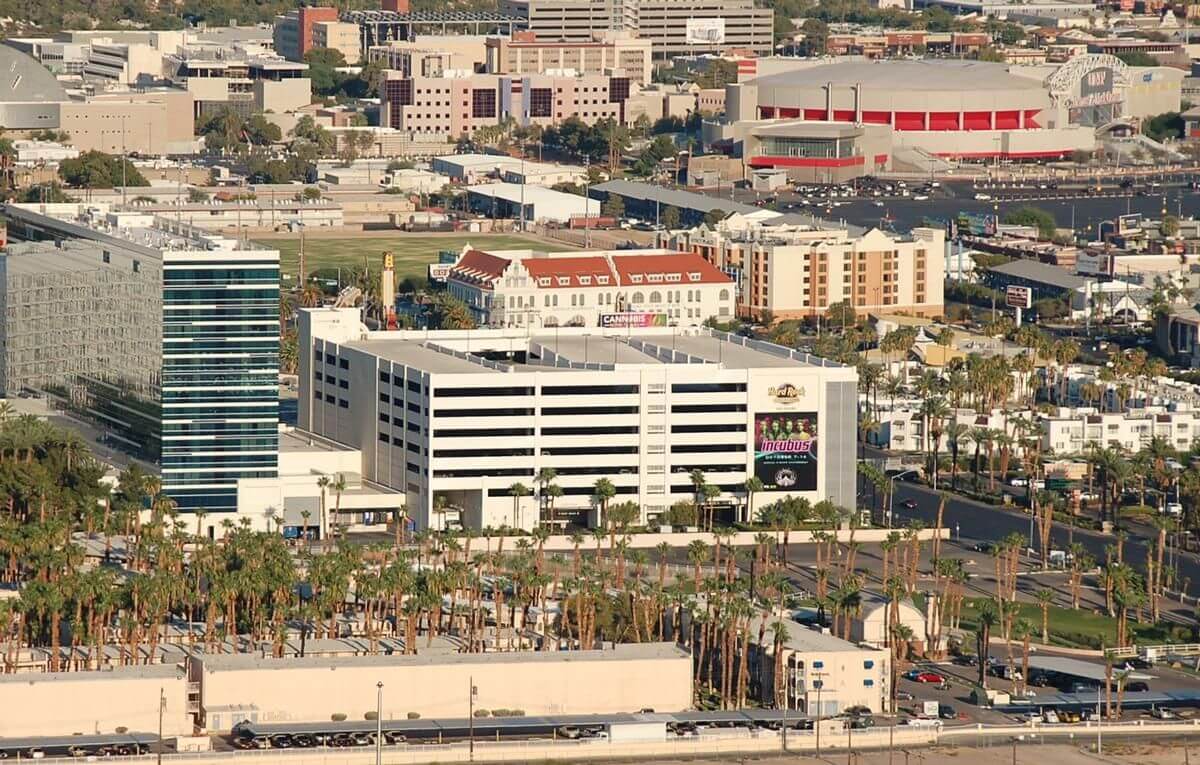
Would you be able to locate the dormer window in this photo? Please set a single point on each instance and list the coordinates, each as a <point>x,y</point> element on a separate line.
<point>656,277</point>
<point>586,281</point>
<point>674,278</point>
<point>635,278</point>
<point>694,276</point>
<point>564,281</point>
<point>601,280</point>
<point>543,281</point>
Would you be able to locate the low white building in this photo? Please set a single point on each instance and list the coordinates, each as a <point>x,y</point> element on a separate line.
<point>540,204</point>
<point>30,152</point>
<point>413,181</point>
<point>613,288</point>
<point>456,418</point>
<point>873,627</point>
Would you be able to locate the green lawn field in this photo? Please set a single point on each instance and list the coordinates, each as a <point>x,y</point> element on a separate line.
<point>412,253</point>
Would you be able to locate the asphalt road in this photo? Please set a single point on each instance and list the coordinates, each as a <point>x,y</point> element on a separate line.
<point>979,521</point>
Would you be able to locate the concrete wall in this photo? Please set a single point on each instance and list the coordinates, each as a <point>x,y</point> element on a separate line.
<point>578,682</point>
<point>63,703</point>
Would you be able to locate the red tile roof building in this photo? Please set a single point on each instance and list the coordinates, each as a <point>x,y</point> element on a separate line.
<point>518,288</point>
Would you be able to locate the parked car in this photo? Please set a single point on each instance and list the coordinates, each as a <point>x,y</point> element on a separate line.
<point>1137,686</point>
<point>904,696</point>
<point>925,677</point>
<point>947,712</point>
<point>909,504</point>
<point>1162,713</point>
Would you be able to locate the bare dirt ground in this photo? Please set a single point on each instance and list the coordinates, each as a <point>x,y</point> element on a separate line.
<point>1134,753</point>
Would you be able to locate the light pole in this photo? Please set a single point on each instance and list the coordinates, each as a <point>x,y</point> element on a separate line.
<point>471,693</point>
<point>819,683</point>
<point>379,723</point>
<point>162,705</point>
<point>892,494</point>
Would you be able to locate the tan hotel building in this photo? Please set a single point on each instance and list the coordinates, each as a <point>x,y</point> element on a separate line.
<point>453,106</point>
<point>797,271</point>
<point>524,54</point>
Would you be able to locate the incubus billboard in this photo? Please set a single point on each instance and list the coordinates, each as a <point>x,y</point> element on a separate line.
<point>785,450</point>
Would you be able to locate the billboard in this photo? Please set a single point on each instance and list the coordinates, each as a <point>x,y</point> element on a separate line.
<point>438,272</point>
<point>785,450</point>
<point>705,31</point>
<point>1018,297</point>
<point>642,319</point>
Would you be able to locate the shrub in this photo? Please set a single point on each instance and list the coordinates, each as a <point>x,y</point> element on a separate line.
<point>372,715</point>
<point>413,715</point>
<point>338,717</point>
<point>482,713</point>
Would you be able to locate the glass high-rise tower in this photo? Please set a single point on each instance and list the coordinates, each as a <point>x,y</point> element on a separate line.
<point>164,336</point>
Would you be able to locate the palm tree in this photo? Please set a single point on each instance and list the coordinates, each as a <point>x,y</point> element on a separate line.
<point>752,486</point>
<point>603,491</point>
<point>779,631</point>
<point>956,433</point>
<point>1045,598</point>
<point>516,491</point>
<point>697,552</point>
<point>989,617</point>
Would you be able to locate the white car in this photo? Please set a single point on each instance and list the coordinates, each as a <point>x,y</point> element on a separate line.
<point>1174,508</point>
<point>1018,482</point>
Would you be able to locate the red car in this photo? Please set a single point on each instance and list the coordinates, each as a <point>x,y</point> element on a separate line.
<point>928,677</point>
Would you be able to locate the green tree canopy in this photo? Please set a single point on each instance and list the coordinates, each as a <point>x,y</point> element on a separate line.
<point>1033,216</point>
<point>97,170</point>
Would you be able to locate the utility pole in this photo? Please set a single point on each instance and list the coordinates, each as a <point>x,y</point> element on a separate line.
<point>379,723</point>
<point>162,705</point>
<point>471,718</point>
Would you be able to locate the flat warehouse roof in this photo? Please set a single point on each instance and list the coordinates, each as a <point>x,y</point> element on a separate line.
<point>415,353</point>
<point>624,652</point>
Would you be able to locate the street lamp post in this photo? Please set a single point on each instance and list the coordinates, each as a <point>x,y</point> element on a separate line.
<point>819,682</point>
<point>379,723</point>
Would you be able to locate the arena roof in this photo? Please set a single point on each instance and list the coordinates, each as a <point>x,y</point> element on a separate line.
<point>27,81</point>
<point>932,74</point>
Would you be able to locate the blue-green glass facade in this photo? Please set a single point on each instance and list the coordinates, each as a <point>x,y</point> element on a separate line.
<point>220,375</point>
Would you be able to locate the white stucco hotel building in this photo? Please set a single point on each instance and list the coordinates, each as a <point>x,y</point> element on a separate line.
<point>464,415</point>
<point>653,287</point>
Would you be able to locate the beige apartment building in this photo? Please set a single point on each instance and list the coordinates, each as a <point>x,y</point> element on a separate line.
<point>523,53</point>
<point>455,106</point>
<point>796,271</point>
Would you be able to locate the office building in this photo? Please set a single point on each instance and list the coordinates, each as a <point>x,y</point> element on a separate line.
<point>460,103</point>
<point>455,418</point>
<point>244,84</point>
<point>293,32</point>
<point>590,289</point>
<point>153,122</point>
<point>674,27</point>
<point>29,96</point>
<point>523,53</point>
<point>341,36</point>
<point>792,271</point>
<point>165,337</point>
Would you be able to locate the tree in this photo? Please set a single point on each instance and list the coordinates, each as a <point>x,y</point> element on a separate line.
<point>670,218</point>
<point>1170,225</point>
<point>614,206</point>
<point>450,313</point>
<point>322,70</point>
<point>989,617</point>
<point>1163,126</point>
<point>603,491</point>
<point>516,491</point>
<point>97,170</point>
<point>1138,58</point>
<point>1033,216</point>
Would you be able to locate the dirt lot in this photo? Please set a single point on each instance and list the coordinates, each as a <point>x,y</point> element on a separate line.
<point>1057,754</point>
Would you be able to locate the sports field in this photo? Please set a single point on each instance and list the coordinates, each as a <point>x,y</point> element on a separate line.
<point>412,253</point>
